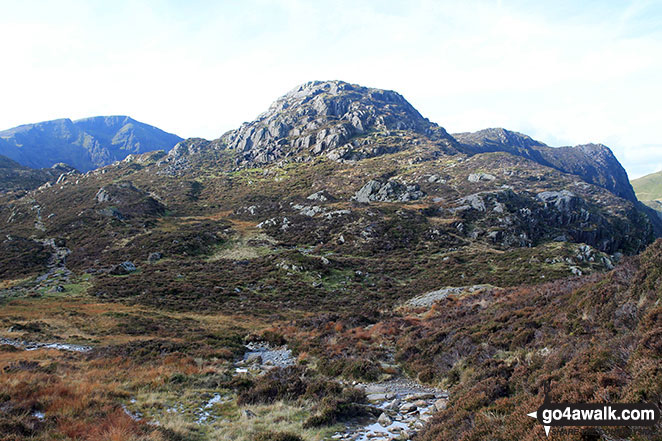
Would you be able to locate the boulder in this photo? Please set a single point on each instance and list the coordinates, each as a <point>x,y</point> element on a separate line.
<point>384,420</point>
<point>123,268</point>
<point>441,404</point>
<point>477,177</point>
<point>103,195</point>
<point>154,257</point>
<point>375,398</point>
<point>408,407</point>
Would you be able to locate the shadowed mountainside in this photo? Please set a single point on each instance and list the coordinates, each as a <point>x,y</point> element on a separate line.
<point>84,144</point>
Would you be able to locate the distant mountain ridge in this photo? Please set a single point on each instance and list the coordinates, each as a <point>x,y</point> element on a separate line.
<point>84,144</point>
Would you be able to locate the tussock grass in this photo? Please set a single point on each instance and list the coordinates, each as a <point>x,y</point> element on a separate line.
<point>276,417</point>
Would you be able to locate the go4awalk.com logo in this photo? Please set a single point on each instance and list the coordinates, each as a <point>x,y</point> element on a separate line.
<point>594,414</point>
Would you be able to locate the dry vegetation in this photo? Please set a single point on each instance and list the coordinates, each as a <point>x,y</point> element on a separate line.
<point>330,285</point>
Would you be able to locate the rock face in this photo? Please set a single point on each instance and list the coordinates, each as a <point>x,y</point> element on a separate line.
<point>594,163</point>
<point>564,201</point>
<point>84,144</point>
<point>322,116</point>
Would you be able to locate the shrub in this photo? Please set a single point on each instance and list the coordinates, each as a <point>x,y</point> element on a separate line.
<point>286,384</point>
<point>336,408</point>
<point>276,436</point>
<point>351,368</point>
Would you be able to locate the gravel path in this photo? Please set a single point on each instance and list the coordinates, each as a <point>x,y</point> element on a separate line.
<point>406,406</point>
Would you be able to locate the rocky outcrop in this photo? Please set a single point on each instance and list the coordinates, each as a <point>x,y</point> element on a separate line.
<point>428,299</point>
<point>477,177</point>
<point>390,191</point>
<point>123,200</point>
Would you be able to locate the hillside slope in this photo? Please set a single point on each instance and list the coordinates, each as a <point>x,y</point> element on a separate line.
<point>315,226</point>
<point>649,190</point>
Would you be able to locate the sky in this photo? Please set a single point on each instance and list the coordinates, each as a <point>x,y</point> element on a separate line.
<point>563,72</point>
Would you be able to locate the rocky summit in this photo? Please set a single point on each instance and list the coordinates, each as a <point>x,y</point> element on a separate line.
<point>338,268</point>
<point>324,118</point>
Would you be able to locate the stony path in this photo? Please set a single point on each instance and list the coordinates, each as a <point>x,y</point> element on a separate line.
<point>406,407</point>
<point>264,356</point>
<point>53,279</point>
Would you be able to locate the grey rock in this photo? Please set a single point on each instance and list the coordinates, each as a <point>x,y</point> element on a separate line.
<point>428,299</point>
<point>103,195</point>
<point>475,201</point>
<point>440,404</point>
<point>322,117</point>
<point>384,420</point>
<point>154,257</point>
<point>123,268</point>
<point>477,177</point>
<point>393,405</point>
<point>563,200</point>
<point>321,196</point>
<point>390,191</point>
<point>309,211</point>
<point>408,407</point>
<point>376,397</point>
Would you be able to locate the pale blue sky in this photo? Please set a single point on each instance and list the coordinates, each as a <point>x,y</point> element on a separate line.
<point>564,72</point>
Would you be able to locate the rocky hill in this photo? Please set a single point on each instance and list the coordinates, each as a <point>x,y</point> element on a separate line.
<point>594,163</point>
<point>84,144</point>
<point>334,223</point>
<point>329,118</point>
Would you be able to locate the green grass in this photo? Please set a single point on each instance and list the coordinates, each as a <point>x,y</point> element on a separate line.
<point>649,187</point>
